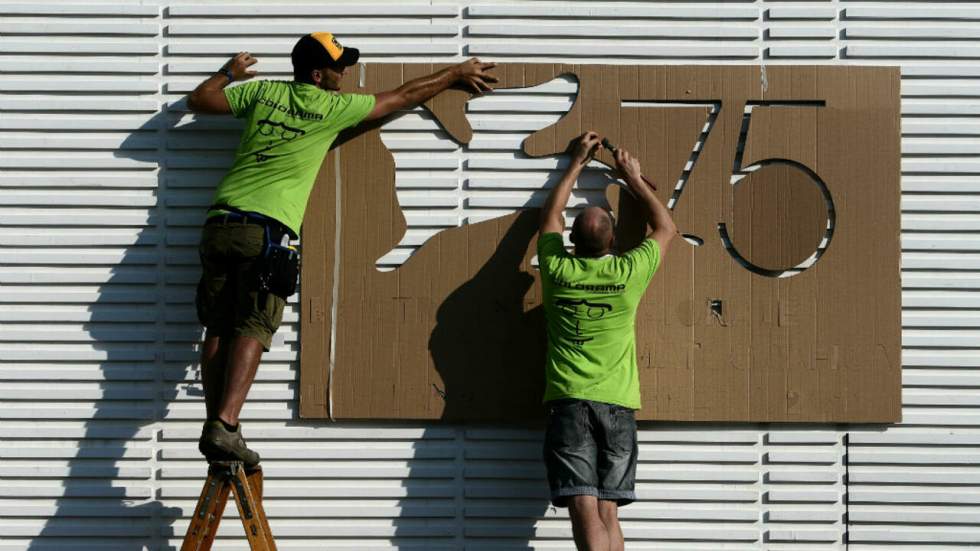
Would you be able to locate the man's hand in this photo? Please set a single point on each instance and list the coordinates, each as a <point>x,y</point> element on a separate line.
<point>552,213</point>
<point>585,148</point>
<point>471,73</point>
<point>476,75</point>
<point>209,96</point>
<point>238,66</point>
<point>661,223</point>
<point>628,165</point>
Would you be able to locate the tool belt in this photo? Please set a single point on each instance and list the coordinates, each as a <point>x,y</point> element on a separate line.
<point>276,270</point>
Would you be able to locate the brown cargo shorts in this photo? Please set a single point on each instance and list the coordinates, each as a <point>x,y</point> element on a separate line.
<point>228,301</point>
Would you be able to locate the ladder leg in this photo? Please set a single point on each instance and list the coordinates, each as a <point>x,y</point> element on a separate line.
<point>255,482</point>
<point>256,530</point>
<point>207,515</point>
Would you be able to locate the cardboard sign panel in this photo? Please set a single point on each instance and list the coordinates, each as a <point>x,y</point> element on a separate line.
<point>766,170</point>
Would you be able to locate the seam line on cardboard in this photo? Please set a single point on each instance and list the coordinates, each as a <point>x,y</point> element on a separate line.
<point>335,292</point>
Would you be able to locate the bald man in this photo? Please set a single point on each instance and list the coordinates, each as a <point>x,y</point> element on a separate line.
<point>592,389</point>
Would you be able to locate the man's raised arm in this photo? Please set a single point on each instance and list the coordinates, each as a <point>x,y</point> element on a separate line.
<point>552,213</point>
<point>657,214</point>
<point>209,96</point>
<point>472,73</point>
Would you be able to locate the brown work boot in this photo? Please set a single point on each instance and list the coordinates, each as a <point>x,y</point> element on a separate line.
<point>220,444</point>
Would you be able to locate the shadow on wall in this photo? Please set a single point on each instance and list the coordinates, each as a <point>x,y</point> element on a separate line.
<point>488,351</point>
<point>467,484</point>
<point>484,338</point>
<point>464,475</point>
<point>108,500</point>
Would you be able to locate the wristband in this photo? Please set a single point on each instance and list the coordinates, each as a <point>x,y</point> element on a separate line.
<point>225,71</point>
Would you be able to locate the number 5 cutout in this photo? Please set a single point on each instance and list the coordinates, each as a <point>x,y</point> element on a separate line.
<point>783,212</point>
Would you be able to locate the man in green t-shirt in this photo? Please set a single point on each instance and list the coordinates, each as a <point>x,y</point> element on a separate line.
<point>591,382</point>
<point>248,272</point>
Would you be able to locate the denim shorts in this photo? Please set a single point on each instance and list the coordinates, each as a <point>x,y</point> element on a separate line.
<point>590,449</point>
<point>228,301</point>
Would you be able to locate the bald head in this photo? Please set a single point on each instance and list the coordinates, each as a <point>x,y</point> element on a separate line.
<point>592,232</point>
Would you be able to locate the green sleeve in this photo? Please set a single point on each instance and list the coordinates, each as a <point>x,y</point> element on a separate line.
<point>645,258</point>
<point>242,98</point>
<point>551,249</point>
<point>350,110</point>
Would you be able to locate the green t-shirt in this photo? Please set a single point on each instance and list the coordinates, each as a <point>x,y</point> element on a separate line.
<point>590,310</point>
<point>289,127</point>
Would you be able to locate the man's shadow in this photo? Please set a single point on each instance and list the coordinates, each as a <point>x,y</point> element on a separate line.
<point>108,490</point>
<point>488,347</point>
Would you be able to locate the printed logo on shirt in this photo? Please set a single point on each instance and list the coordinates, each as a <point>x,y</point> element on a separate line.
<point>269,128</point>
<point>583,310</point>
<point>295,113</point>
<point>611,288</point>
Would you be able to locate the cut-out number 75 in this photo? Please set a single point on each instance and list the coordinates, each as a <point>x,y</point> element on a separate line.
<point>739,172</point>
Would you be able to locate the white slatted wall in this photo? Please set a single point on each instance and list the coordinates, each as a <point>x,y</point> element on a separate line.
<point>103,177</point>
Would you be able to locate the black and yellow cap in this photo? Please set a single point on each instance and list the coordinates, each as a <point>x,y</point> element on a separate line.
<point>317,50</point>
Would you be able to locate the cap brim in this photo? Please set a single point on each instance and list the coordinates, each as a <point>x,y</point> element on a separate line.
<point>349,57</point>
